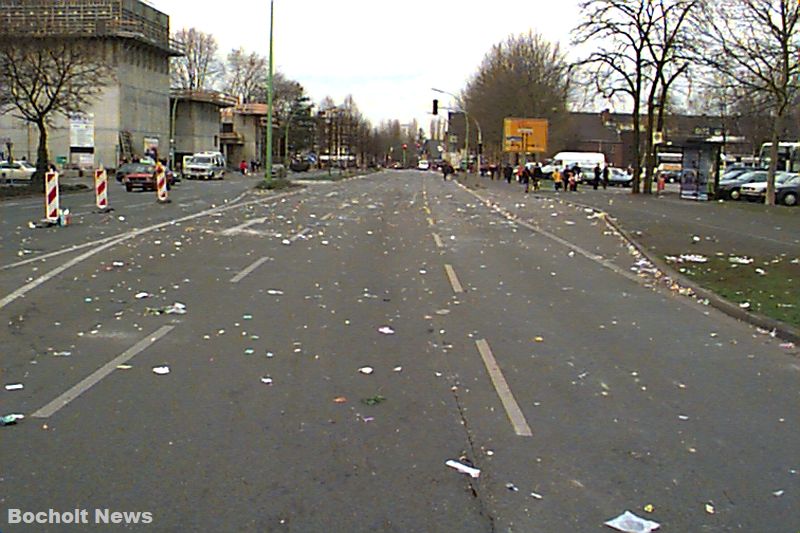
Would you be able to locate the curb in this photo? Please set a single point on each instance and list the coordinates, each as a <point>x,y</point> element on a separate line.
<point>783,330</point>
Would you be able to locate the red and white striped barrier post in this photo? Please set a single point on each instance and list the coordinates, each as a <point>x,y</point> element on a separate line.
<point>101,189</point>
<point>161,184</point>
<point>51,210</point>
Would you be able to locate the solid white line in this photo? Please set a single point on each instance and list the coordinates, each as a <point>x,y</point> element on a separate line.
<point>73,248</point>
<point>51,408</point>
<point>451,275</point>
<point>241,275</point>
<point>511,406</point>
<point>438,240</point>
<point>599,259</point>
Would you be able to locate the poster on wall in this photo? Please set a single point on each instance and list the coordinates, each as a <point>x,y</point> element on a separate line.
<point>151,147</point>
<point>81,131</point>
<point>81,140</point>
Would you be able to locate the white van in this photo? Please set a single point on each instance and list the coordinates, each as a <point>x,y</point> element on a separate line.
<point>205,166</point>
<point>586,160</point>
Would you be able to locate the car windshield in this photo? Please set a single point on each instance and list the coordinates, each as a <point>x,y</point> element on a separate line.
<point>139,168</point>
<point>793,179</point>
<point>751,176</point>
<point>201,161</point>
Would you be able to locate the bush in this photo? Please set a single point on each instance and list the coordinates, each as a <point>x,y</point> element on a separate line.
<point>274,184</point>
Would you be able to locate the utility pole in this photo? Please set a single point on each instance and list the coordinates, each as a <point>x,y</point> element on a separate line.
<point>269,98</point>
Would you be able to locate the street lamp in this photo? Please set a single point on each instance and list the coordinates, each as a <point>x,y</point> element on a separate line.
<point>269,96</point>
<point>466,122</point>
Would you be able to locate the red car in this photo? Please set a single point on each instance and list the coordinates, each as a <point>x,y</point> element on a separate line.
<point>143,176</point>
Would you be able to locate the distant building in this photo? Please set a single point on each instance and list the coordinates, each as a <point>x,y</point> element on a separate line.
<point>243,133</point>
<point>197,121</point>
<point>132,114</point>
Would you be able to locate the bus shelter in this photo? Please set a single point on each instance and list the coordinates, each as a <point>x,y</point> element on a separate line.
<point>700,169</point>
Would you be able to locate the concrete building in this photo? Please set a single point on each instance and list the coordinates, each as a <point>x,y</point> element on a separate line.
<point>133,113</point>
<point>196,116</point>
<point>243,134</point>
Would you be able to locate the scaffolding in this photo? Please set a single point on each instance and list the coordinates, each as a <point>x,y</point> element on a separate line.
<point>128,19</point>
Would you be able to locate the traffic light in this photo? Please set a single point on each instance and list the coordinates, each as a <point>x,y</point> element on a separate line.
<point>405,146</point>
<point>435,106</point>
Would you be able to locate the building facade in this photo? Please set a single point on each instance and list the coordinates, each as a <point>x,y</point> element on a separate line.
<point>196,122</point>
<point>132,114</point>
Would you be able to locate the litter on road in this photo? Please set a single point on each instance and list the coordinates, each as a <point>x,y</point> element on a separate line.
<point>366,370</point>
<point>464,469</point>
<point>374,400</point>
<point>386,330</point>
<point>161,370</point>
<point>8,420</point>
<point>266,380</point>
<point>15,386</point>
<point>631,523</point>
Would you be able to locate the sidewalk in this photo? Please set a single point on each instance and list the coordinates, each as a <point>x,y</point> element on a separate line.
<point>744,258</point>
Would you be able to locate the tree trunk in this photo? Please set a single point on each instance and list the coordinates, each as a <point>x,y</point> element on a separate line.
<point>42,156</point>
<point>773,161</point>
<point>648,147</point>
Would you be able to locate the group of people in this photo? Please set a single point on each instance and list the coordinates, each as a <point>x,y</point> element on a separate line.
<point>254,166</point>
<point>565,179</point>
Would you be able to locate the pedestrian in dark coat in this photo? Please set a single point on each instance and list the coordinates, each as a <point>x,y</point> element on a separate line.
<point>508,173</point>
<point>538,176</point>
<point>606,173</point>
<point>596,181</point>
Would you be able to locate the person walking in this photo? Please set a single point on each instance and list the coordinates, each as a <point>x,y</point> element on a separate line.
<point>445,170</point>
<point>596,180</point>
<point>557,180</point>
<point>526,177</point>
<point>538,176</point>
<point>606,173</point>
<point>243,167</point>
<point>508,173</point>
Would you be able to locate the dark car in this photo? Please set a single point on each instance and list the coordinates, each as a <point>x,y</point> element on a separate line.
<point>299,165</point>
<point>732,188</point>
<point>787,192</point>
<point>127,168</point>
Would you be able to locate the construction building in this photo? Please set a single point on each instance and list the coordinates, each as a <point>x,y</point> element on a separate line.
<point>132,114</point>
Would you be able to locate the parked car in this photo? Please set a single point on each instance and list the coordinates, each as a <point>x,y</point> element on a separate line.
<point>299,165</point>
<point>617,176</point>
<point>278,170</point>
<point>787,193</point>
<point>16,171</point>
<point>757,191</point>
<point>423,165</point>
<point>731,188</point>
<point>143,176</point>
<point>205,166</point>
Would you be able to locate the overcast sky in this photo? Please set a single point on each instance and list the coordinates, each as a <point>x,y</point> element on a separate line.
<point>388,55</point>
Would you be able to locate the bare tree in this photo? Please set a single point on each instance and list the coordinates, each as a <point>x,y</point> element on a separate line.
<point>620,63</point>
<point>42,78</point>
<point>246,76</point>
<point>753,45</point>
<point>199,68</point>
<point>668,50</point>
<point>524,76</point>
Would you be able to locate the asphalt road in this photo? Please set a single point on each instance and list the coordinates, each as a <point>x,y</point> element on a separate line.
<point>510,333</point>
